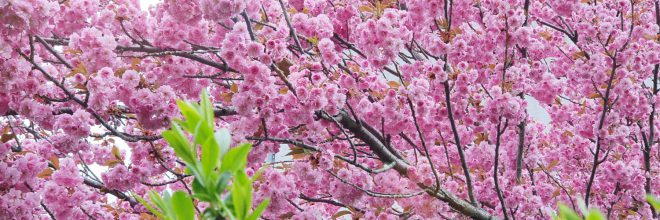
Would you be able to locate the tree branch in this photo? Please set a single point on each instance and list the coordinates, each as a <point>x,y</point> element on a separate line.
<point>457,140</point>
<point>292,30</point>
<point>496,165</point>
<point>115,193</point>
<point>601,123</point>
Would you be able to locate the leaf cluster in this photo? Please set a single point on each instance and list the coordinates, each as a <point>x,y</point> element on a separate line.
<point>219,174</point>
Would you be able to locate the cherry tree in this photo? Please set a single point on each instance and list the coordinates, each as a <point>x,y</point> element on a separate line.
<point>385,109</point>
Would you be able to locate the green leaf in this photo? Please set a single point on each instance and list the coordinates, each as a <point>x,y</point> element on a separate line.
<point>241,194</point>
<point>655,202</point>
<point>210,155</point>
<point>151,209</point>
<point>260,209</point>
<point>224,140</point>
<point>222,182</point>
<point>210,183</point>
<point>237,200</point>
<point>180,144</point>
<point>206,108</point>
<point>228,201</point>
<point>241,179</point>
<point>566,213</point>
<point>202,132</point>
<point>163,203</point>
<point>169,211</point>
<point>594,214</point>
<point>190,113</point>
<point>183,206</point>
<point>200,192</point>
<point>236,158</point>
<point>227,207</point>
<point>198,175</point>
<point>157,200</point>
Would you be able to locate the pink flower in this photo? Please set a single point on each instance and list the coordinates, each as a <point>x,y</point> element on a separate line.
<point>221,9</point>
<point>119,178</point>
<point>68,174</point>
<point>30,165</point>
<point>255,49</point>
<point>186,11</point>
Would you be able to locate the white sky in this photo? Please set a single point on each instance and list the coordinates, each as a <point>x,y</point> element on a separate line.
<point>144,4</point>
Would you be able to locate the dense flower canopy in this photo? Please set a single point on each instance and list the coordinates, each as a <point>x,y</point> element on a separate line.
<point>386,109</point>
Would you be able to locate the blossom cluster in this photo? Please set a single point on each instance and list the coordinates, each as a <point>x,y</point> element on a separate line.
<point>417,109</point>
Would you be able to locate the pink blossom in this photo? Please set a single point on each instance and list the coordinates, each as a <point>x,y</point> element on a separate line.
<point>392,97</point>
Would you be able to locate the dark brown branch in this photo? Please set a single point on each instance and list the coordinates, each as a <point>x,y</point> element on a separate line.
<point>60,111</point>
<point>651,139</point>
<point>457,140</point>
<point>349,45</point>
<point>521,145</point>
<point>292,30</point>
<point>444,145</point>
<point>281,75</point>
<point>400,166</point>
<point>249,25</point>
<point>327,201</point>
<point>52,51</point>
<point>348,138</point>
<point>224,111</point>
<point>421,138</point>
<point>561,186</point>
<point>167,182</point>
<point>154,50</point>
<point>500,131</point>
<point>185,54</point>
<point>376,194</point>
<point>104,189</point>
<point>50,213</point>
<point>305,146</point>
<point>601,123</point>
<point>362,133</point>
